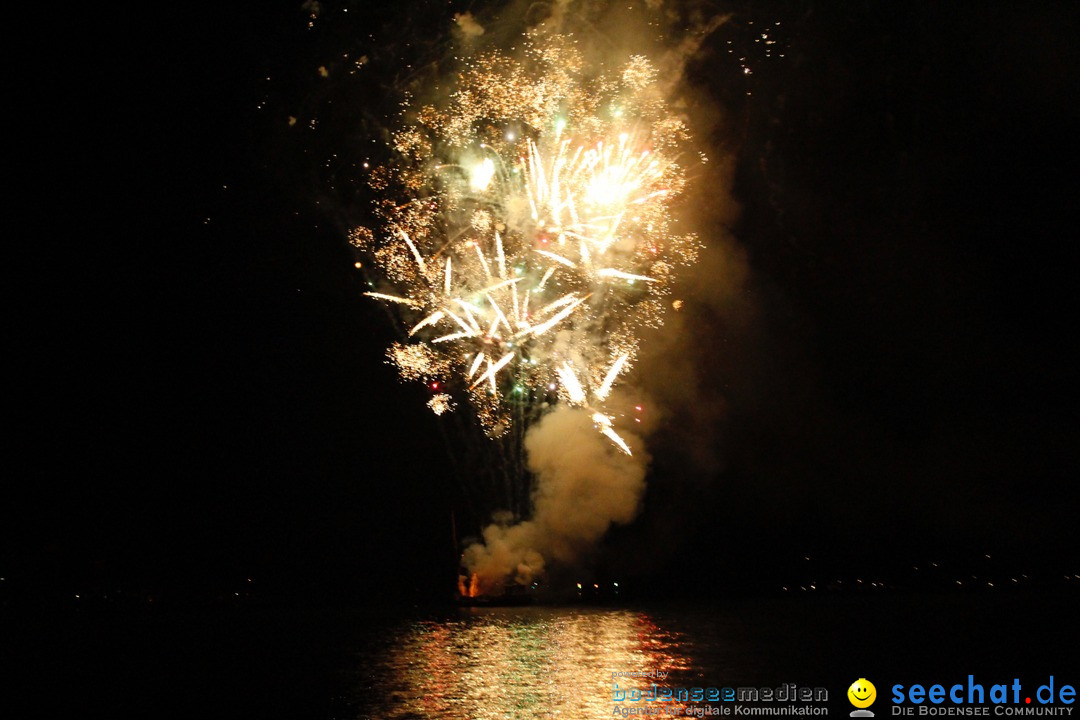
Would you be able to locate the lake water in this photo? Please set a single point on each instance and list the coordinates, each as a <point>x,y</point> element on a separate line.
<point>533,662</point>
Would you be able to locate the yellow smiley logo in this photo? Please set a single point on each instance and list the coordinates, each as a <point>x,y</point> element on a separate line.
<point>862,693</point>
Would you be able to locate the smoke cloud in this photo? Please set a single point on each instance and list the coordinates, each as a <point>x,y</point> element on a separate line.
<point>467,25</point>
<point>583,485</point>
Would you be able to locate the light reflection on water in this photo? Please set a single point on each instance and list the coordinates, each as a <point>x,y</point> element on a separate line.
<point>519,663</point>
<point>542,662</point>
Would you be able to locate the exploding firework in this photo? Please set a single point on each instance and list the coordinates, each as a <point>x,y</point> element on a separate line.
<point>526,235</point>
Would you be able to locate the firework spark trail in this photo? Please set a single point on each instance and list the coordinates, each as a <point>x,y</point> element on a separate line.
<point>609,379</point>
<point>527,238</point>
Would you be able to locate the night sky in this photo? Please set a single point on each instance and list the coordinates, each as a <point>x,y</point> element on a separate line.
<point>199,387</point>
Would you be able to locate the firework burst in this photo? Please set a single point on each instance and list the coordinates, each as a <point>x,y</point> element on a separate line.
<point>526,234</point>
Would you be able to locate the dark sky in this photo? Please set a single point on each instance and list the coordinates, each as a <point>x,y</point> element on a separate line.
<point>199,387</point>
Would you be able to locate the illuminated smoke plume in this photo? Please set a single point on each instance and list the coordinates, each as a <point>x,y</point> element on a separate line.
<point>583,485</point>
